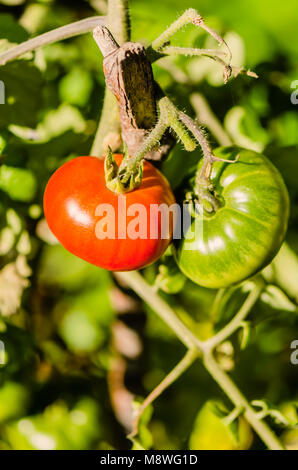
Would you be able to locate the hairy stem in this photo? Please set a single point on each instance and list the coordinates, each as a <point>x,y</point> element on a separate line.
<point>108,131</point>
<point>188,17</point>
<point>118,20</point>
<point>191,51</point>
<point>150,141</point>
<point>194,346</point>
<point>168,118</point>
<point>198,134</point>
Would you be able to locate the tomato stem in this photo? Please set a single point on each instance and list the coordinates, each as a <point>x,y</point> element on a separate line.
<point>204,349</point>
<point>194,345</point>
<point>191,51</point>
<point>204,189</point>
<point>188,359</point>
<point>108,132</point>
<point>162,46</point>
<point>168,117</point>
<point>64,32</point>
<point>128,177</point>
<point>206,117</point>
<point>190,16</point>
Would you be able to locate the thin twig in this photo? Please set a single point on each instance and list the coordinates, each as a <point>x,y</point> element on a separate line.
<point>205,172</point>
<point>191,51</point>
<point>188,17</point>
<point>108,131</point>
<point>237,320</point>
<point>239,400</point>
<point>65,32</point>
<point>178,370</point>
<point>147,293</point>
<point>232,69</point>
<point>164,311</point>
<point>207,118</point>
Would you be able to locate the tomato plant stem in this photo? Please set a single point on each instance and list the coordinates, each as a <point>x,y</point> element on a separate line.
<point>238,399</point>
<point>191,51</point>
<point>164,311</point>
<point>151,140</point>
<point>187,360</point>
<point>237,320</point>
<point>147,293</point>
<point>118,20</point>
<point>168,118</point>
<point>207,118</point>
<point>64,32</point>
<point>108,131</point>
<point>188,17</point>
<point>194,346</point>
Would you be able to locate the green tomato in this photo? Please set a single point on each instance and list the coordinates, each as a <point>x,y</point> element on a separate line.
<point>211,432</point>
<point>242,236</point>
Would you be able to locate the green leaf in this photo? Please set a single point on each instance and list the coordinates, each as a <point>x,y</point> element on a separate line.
<point>84,326</point>
<point>18,183</point>
<point>285,269</point>
<point>76,87</point>
<point>11,29</point>
<point>60,268</point>
<point>277,299</point>
<point>13,400</point>
<point>23,94</point>
<point>58,428</point>
<point>80,332</point>
<point>144,440</point>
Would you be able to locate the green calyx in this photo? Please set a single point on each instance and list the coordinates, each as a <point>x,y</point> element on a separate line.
<point>203,199</point>
<point>208,198</point>
<point>124,178</point>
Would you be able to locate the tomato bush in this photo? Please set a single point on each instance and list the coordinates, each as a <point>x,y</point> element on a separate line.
<point>81,347</point>
<point>246,232</point>
<point>76,196</point>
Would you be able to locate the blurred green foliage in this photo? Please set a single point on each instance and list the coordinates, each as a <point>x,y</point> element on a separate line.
<point>59,316</point>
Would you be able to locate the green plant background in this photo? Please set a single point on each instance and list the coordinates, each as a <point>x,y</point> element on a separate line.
<point>79,345</point>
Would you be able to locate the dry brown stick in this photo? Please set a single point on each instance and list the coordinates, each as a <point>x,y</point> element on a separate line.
<point>129,77</point>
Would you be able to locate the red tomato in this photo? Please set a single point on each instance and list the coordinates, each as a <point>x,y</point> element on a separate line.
<point>79,211</point>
